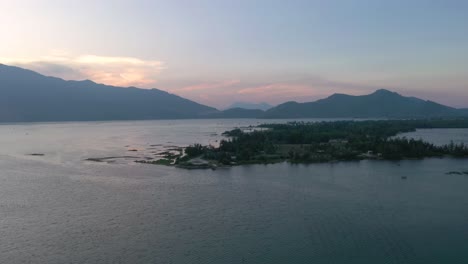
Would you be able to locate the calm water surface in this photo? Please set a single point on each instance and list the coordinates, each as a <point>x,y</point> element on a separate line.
<point>59,208</point>
<point>439,136</point>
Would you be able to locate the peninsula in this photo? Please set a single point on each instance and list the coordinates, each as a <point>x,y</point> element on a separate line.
<point>311,142</point>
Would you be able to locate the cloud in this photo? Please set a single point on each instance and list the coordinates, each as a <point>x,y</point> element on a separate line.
<point>272,89</point>
<point>206,86</point>
<point>284,89</point>
<point>118,71</point>
<point>129,71</point>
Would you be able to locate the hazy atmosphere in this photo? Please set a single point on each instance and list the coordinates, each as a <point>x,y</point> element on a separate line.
<point>233,132</point>
<point>220,52</point>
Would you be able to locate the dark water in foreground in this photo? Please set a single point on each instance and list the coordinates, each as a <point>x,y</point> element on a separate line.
<point>61,209</point>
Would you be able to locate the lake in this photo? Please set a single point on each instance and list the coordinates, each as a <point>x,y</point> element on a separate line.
<point>60,208</point>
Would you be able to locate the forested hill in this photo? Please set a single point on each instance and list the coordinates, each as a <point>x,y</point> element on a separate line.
<point>28,96</point>
<point>380,104</point>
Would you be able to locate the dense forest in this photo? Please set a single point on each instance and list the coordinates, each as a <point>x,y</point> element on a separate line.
<point>302,142</point>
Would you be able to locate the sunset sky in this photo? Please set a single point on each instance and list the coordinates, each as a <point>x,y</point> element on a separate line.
<point>219,52</point>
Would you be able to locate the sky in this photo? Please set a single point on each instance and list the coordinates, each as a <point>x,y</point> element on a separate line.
<point>218,52</point>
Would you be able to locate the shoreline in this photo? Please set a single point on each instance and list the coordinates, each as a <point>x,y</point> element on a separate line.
<point>210,164</point>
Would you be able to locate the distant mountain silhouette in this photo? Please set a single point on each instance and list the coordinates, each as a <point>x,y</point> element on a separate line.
<point>260,106</point>
<point>236,113</point>
<point>380,104</point>
<point>28,96</point>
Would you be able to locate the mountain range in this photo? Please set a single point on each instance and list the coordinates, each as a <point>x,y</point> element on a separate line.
<point>27,96</point>
<point>380,104</point>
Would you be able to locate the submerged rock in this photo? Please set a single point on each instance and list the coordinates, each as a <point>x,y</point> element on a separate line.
<point>454,173</point>
<point>110,159</point>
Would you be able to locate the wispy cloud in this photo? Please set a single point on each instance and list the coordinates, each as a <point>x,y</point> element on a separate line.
<point>206,86</point>
<point>119,71</point>
<point>281,89</point>
<point>275,90</point>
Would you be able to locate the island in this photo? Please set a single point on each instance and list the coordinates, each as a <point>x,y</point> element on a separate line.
<point>313,142</point>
